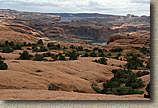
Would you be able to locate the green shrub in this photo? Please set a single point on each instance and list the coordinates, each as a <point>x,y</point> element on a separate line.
<point>87,50</point>
<point>112,65</point>
<point>101,61</point>
<point>79,48</point>
<point>139,73</point>
<point>116,50</point>
<point>40,42</point>
<point>38,71</point>
<point>3,66</point>
<point>6,49</point>
<point>73,55</point>
<point>126,91</point>
<point>11,43</point>
<point>109,54</point>
<point>134,62</point>
<point>148,91</point>
<point>50,45</point>
<point>34,48</point>
<point>101,54</point>
<point>61,57</point>
<point>129,54</point>
<point>42,49</point>
<point>53,87</point>
<point>85,55</point>
<point>72,47</point>
<point>96,89</point>
<point>48,54</point>
<point>54,57</point>
<point>25,56</point>
<point>17,47</point>
<point>38,57</point>
<point>2,58</point>
<point>93,54</point>
<point>148,65</point>
<point>95,49</point>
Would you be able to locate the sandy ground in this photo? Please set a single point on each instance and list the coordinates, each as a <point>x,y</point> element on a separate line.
<point>61,95</point>
<point>22,82</point>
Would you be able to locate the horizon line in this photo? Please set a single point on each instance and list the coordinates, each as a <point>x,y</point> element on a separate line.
<point>74,13</point>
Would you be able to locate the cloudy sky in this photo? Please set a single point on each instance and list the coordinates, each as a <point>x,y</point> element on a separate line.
<point>117,7</point>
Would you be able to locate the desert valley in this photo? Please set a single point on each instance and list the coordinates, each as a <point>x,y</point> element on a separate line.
<point>65,56</point>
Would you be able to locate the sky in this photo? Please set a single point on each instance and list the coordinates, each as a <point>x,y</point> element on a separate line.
<point>115,7</point>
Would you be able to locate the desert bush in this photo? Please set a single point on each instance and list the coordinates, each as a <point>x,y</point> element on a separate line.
<point>134,83</point>
<point>95,49</point>
<point>40,42</point>
<point>143,50</point>
<point>73,55</point>
<point>38,70</point>
<point>122,77</point>
<point>54,57</point>
<point>139,73</point>
<point>96,89</point>
<point>50,45</point>
<point>17,47</point>
<point>116,50</point>
<point>34,48</point>
<point>101,61</point>
<point>129,54</point>
<point>85,55</point>
<point>79,48</point>
<point>101,54</point>
<point>72,47</point>
<point>3,66</point>
<point>48,54</point>
<point>148,91</point>
<point>42,49</point>
<point>61,57</point>
<point>148,65</point>
<point>25,56</point>
<point>87,50</point>
<point>109,54</point>
<point>53,87</point>
<point>6,49</point>
<point>134,62</point>
<point>93,54</point>
<point>126,91</point>
<point>11,43</point>
<point>38,57</point>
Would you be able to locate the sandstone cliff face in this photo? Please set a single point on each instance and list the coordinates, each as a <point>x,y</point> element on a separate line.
<point>131,28</point>
<point>139,37</point>
<point>72,32</point>
<point>87,32</point>
<point>18,33</point>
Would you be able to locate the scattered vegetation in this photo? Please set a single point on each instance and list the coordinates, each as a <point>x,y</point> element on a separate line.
<point>25,56</point>
<point>148,91</point>
<point>93,54</point>
<point>53,87</point>
<point>116,50</point>
<point>38,71</point>
<point>139,73</point>
<point>38,57</point>
<point>101,61</point>
<point>3,66</point>
<point>124,82</point>
<point>9,47</point>
<point>73,55</point>
<point>134,62</point>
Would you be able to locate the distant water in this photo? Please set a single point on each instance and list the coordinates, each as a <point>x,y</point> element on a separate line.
<point>99,44</point>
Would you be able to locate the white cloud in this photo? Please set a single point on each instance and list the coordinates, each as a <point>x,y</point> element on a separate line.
<point>118,7</point>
